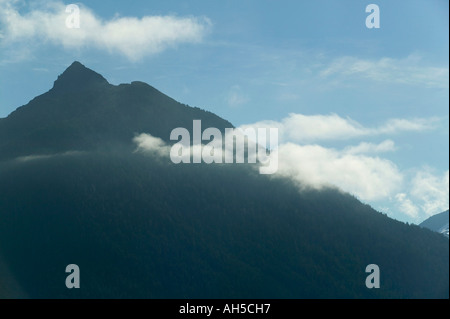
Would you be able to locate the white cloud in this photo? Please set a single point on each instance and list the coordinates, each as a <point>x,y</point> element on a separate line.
<point>405,205</point>
<point>431,191</point>
<point>369,178</point>
<point>312,128</point>
<point>364,148</point>
<point>357,169</point>
<point>148,143</point>
<point>315,127</point>
<point>388,70</point>
<point>132,37</point>
<point>397,125</point>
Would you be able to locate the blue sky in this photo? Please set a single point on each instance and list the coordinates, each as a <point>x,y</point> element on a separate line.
<point>363,109</point>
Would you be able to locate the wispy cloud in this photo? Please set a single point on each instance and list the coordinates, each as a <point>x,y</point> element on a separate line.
<point>132,37</point>
<point>236,97</point>
<point>431,191</point>
<point>35,157</point>
<point>40,69</point>
<point>365,148</point>
<point>313,128</point>
<point>406,206</point>
<point>426,194</point>
<point>389,70</point>
<point>148,143</point>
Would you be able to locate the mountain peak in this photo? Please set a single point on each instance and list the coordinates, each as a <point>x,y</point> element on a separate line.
<point>77,77</point>
<point>76,64</point>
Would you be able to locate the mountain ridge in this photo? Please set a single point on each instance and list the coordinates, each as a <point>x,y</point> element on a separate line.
<point>89,113</point>
<point>438,223</point>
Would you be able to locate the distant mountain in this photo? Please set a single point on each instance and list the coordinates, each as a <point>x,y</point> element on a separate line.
<point>74,191</point>
<point>438,223</point>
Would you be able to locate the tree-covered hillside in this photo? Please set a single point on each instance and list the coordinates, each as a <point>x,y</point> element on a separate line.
<point>140,227</point>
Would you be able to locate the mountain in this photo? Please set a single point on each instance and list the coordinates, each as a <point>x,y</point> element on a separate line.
<point>75,191</point>
<point>437,223</point>
<point>84,112</point>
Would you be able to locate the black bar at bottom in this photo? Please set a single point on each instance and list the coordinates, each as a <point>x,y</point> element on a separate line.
<point>233,308</point>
